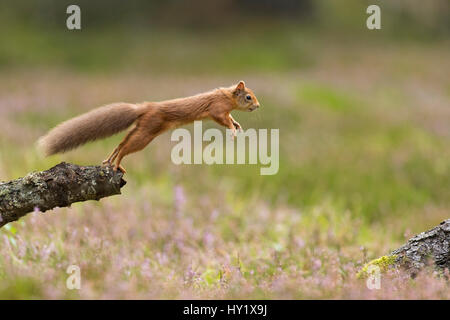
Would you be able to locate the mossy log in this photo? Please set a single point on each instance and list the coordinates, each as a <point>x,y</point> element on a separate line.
<point>431,247</point>
<point>59,186</point>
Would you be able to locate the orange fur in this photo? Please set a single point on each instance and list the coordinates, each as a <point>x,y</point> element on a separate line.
<point>151,118</point>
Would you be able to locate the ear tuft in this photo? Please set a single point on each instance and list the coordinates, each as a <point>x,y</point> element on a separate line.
<point>241,85</point>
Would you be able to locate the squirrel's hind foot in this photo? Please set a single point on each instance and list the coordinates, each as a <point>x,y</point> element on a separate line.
<point>122,169</point>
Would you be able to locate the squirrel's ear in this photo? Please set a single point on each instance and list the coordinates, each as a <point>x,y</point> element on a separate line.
<point>240,86</point>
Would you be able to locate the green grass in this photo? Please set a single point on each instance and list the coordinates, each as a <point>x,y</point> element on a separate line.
<point>155,50</point>
<point>326,98</point>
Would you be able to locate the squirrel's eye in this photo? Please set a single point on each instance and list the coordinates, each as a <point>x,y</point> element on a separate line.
<point>248,97</point>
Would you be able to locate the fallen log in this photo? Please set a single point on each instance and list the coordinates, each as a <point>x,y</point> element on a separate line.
<point>432,246</point>
<point>59,186</point>
<point>429,248</point>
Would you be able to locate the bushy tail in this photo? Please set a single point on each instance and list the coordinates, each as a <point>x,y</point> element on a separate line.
<point>96,124</point>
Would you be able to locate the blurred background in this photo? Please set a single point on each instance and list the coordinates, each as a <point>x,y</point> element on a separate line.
<point>364,119</point>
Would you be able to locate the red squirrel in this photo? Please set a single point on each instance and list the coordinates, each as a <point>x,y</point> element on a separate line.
<point>151,118</point>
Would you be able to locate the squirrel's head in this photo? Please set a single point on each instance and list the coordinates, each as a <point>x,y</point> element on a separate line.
<point>244,97</point>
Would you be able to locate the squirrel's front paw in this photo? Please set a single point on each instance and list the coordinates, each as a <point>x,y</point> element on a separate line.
<point>238,126</point>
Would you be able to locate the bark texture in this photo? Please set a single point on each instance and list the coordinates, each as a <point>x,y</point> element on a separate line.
<point>59,186</point>
<point>432,246</point>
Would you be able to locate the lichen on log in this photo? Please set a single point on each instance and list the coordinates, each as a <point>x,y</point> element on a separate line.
<point>59,186</point>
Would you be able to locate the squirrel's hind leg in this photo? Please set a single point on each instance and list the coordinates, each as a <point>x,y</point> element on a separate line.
<point>120,168</point>
<point>135,142</point>
<point>111,157</point>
